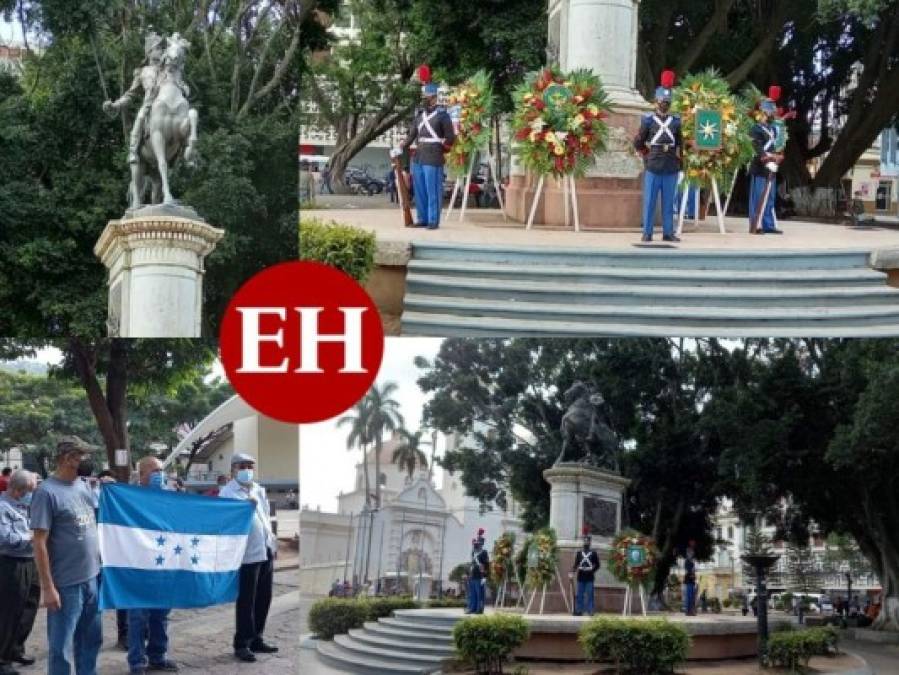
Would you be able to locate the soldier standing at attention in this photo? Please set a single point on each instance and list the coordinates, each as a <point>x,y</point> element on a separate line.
<point>763,171</point>
<point>659,141</point>
<point>432,132</point>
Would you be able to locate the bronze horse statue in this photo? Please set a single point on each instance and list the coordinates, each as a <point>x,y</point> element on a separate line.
<point>584,428</point>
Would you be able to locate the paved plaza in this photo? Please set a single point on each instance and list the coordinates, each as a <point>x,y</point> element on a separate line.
<point>200,639</point>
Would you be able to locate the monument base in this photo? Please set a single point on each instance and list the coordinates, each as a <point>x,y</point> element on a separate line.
<point>609,197</point>
<point>155,259</point>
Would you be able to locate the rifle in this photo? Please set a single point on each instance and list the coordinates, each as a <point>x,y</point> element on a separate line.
<point>755,225</point>
<point>403,191</point>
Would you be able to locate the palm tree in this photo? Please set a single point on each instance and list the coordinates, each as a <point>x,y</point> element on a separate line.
<point>358,437</point>
<point>408,453</point>
<point>384,415</point>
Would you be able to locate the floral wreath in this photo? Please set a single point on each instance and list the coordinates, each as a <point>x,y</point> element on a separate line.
<point>503,551</point>
<point>618,563</point>
<point>707,90</point>
<point>474,97</point>
<point>558,121</point>
<point>546,551</point>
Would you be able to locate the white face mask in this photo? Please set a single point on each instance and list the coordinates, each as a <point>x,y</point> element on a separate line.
<point>245,476</point>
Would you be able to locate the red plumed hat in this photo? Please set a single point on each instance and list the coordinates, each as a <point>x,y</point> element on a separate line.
<point>774,92</point>
<point>585,531</point>
<point>424,73</point>
<point>480,531</point>
<point>667,79</point>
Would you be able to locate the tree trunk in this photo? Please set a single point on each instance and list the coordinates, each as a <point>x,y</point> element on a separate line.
<point>378,472</point>
<point>365,475</point>
<point>109,413</point>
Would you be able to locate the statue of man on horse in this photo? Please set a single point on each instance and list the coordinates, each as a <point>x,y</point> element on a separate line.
<point>585,430</point>
<point>165,127</point>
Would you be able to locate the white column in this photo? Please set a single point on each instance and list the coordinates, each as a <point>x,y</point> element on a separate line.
<point>602,35</point>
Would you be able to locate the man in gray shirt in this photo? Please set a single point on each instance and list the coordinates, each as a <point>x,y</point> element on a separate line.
<point>19,589</point>
<point>68,562</point>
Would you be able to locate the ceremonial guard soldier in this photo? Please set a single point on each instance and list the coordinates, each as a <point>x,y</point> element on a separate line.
<point>477,575</point>
<point>586,562</point>
<point>659,141</point>
<point>433,134</point>
<point>690,580</point>
<point>763,168</point>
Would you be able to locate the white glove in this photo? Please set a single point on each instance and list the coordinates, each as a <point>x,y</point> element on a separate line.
<point>772,167</point>
<point>395,152</point>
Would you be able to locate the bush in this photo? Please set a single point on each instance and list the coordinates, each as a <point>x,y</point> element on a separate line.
<point>637,646</point>
<point>486,641</point>
<point>445,602</point>
<point>347,248</point>
<point>335,616</point>
<point>728,602</point>
<point>794,649</point>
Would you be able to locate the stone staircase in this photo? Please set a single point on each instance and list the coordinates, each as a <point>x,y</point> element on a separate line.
<point>404,643</point>
<point>478,291</point>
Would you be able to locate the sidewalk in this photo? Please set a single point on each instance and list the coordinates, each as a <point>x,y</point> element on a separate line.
<point>200,639</point>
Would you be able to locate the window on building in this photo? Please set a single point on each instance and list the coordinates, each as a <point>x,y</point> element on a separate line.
<point>383,480</point>
<point>730,532</point>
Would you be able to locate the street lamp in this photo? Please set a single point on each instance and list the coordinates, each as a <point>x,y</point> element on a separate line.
<point>761,563</point>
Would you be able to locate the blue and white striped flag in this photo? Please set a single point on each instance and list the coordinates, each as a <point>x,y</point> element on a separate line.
<point>161,549</point>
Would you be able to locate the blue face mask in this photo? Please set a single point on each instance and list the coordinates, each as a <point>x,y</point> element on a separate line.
<point>245,476</point>
<point>26,499</point>
<point>157,480</point>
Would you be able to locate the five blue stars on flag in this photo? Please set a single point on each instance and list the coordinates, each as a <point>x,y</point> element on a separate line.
<point>178,550</point>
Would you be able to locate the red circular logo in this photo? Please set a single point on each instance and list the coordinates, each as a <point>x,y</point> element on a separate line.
<point>301,342</point>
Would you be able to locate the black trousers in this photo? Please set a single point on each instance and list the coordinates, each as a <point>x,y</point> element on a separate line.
<point>20,594</point>
<point>253,601</point>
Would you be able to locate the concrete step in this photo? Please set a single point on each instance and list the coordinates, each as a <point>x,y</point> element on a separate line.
<point>399,655</point>
<point>352,662</point>
<point>650,276</point>
<point>426,623</point>
<point>432,324</point>
<point>423,646</point>
<point>639,257</point>
<point>707,318</point>
<point>560,293</point>
<point>415,617</point>
<point>419,632</point>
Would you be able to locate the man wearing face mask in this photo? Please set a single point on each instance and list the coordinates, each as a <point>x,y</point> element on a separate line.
<point>148,639</point>
<point>67,555</point>
<point>477,576</point>
<point>257,570</point>
<point>19,586</point>
<point>763,171</point>
<point>660,142</point>
<point>586,562</point>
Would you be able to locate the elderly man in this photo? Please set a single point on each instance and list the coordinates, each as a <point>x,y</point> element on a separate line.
<point>257,569</point>
<point>19,587</point>
<point>148,639</point>
<point>67,555</point>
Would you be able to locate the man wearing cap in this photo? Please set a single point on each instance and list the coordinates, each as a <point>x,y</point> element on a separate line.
<point>148,639</point>
<point>19,587</point>
<point>659,141</point>
<point>68,562</point>
<point>477,576</point>
<point>432,132</point>
<point>586,562</point>
<point>257,569</point>
<point>763,171</point>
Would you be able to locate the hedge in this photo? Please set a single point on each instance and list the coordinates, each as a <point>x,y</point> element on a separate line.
<point>347,248</point>
<point>334,616</point>
<point>487,641</point>
<point>793,649</point>
<point>648,647</point>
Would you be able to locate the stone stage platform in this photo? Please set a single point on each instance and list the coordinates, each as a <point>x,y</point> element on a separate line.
<point>554,636</point>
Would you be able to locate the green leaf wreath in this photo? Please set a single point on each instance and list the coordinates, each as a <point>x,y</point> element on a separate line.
<point>618,564</point>
<point>752,97</point>
<point>558,121</point>
<point>475,99</point>
<point>707,90</point>
<point>501,560</point>
<point>546,552</point>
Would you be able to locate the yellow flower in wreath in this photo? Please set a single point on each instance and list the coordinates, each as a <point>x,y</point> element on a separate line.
<point>559,150</point>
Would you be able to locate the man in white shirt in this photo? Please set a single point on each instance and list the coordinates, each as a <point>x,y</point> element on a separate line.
<point>257,569</point>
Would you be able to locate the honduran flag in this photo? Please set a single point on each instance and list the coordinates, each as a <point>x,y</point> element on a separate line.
<point>161,549</point>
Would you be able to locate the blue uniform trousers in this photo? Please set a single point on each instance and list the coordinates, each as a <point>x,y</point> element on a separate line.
<point>690,598</point>
<point>428,180</point>
<point>583,603</point>
<point>477,595</point>
<point>655,184</point>
<point>756,192</point>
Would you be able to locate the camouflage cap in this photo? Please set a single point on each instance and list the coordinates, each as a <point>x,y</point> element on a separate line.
<point>68,444</point>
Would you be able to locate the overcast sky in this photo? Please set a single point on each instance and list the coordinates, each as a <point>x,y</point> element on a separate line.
<point>326,466</point>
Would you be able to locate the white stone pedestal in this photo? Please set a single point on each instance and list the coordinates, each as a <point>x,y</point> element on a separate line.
<point>155,261</point>
<point>582,496</point>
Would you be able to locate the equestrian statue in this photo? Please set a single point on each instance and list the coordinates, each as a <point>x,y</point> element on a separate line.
<point>585,430</point>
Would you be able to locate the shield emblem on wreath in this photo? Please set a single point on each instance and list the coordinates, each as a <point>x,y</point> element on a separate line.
<point>636,555</point>
<point>556,97</point>
<point>708,130</point>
